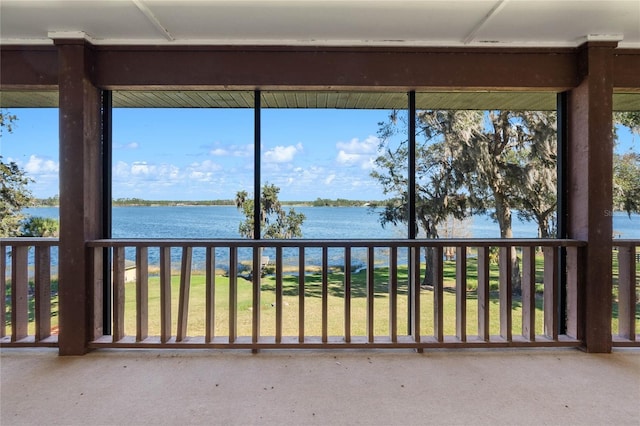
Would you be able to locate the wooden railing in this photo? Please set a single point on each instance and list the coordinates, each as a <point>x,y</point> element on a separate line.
<point>313,296</point>
<point>30,293</point>
<point>626,289</point>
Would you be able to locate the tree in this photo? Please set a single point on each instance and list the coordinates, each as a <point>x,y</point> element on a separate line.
<point>626,169</point>
<point>275,221</point>
<point>438,183</point>
<point>626,182</point>
<point>37,226</point>
<point>537,195</point>
<point>630,119</point>
<point>474,161</point>
<point>14,194</point>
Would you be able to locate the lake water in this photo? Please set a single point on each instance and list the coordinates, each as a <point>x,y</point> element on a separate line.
<point>320,223</point>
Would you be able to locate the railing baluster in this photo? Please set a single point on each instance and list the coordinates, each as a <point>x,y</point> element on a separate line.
<point>256,280</point>
<point>484,296</point>
<point>210,296</point>
<point>393,294</point>
<point>347,294</point>
<point>142,293</point>
<point>529,293</point>
<point>438,294</point>
<point>233,293</point>
<point>461,293</point>
<point>551,292</point>
<point>574,293</point>
<point>506,289</point>
<point>325,294</point>
<point>19,293</point>
<point>165,294</point>
<point>98,256</point>
<point>42,281</point>
<point>414,282</point>
<point>118,293</point>
<point>301,293</point>
<point>279,294</point>
<point>3,291</point>
<point>183,298</point>
<point>627,292</point>
<point>370,293</point>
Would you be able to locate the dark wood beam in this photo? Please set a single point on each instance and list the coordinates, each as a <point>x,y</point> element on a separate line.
<point>590,175</point>
<point>315,68</point>
<point>334,68</point>
<point>28,67</point>
<point>626,70</point>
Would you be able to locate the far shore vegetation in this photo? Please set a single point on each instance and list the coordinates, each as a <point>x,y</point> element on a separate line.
<point>134,202</point>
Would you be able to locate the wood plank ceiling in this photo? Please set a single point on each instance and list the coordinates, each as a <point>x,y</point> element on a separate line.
<point>316,99</point>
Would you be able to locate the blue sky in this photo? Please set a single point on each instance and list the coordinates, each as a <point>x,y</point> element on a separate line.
<point>201,154</point>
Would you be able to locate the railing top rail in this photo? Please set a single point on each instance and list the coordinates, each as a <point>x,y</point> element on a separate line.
<point>468,242</point>
<point>29,241</point>
<point>626,243</point>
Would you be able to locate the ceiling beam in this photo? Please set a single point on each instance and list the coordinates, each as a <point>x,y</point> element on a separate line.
<point>493,12</point>
<point>332,68</point>
<point>153,20</point>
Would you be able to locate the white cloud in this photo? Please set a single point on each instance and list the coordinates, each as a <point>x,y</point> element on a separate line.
<point>41,166</point>
<point>282,154</point>
<point>358,153</point>
<point>204,171</point>
<point>143,171</point>
<point>127,146</point>
<point>232,151</point>
<point>330,179</point>
<point>140,168</point>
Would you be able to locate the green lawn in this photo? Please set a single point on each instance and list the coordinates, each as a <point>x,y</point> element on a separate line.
<point>313,305</point>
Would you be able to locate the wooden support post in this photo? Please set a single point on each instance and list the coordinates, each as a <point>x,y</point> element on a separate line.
<point>80,191</point>
<point>590,163</point>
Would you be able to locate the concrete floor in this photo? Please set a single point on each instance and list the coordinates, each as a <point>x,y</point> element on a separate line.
<point>497,387</point>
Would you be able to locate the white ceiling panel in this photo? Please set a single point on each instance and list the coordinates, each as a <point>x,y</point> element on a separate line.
<point>325,22</point>
<point>547,21</point>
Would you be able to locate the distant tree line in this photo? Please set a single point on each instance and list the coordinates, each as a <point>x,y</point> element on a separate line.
<point>54,201</point>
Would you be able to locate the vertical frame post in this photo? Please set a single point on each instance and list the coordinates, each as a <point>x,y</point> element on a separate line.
<point>411,200</point>
<point>562,205</point>
<point>107,160</point>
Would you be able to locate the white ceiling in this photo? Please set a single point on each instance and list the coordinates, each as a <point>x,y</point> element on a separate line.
<point>501,23</point>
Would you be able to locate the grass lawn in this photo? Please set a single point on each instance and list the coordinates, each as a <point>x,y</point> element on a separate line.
<point>313,305</point>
